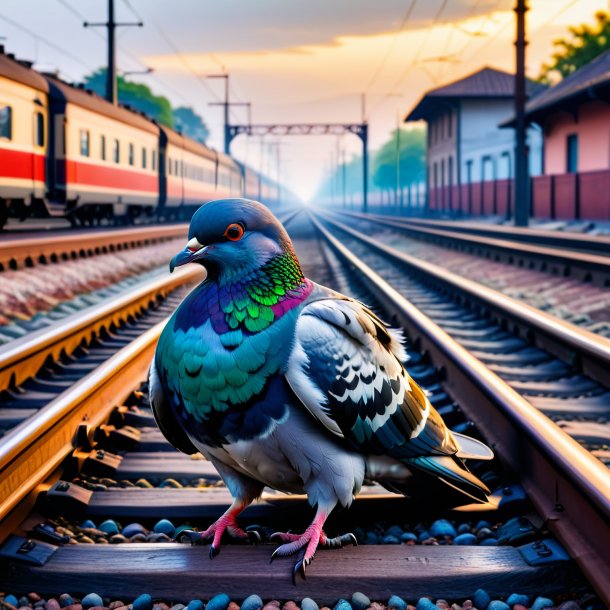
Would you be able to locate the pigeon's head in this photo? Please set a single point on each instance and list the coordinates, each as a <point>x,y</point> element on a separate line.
<point>233,237</point>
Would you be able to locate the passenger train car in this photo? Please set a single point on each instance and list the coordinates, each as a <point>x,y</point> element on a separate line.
<point>65,151</point>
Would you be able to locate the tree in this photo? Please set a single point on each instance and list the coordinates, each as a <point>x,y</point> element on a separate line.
<point>583,44</point>
<point>411,156</point>
<point>190,124</point>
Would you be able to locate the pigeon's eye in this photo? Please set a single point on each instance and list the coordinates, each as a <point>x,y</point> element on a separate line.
<point>234,232</point>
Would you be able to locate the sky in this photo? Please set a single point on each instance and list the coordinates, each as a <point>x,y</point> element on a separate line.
<point>294,61</point>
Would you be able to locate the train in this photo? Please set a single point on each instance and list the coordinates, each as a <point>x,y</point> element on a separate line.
<point>67,152</point>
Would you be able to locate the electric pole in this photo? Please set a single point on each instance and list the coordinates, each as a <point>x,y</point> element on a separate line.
<point>521,201</point>
<point>111,25</point>
<point>225,104</point>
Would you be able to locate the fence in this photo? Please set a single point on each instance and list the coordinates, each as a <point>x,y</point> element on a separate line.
<point>585,195</point>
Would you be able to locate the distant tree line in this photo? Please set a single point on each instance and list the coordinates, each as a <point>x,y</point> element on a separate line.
<point>157,107</point>
<point>398,165</point>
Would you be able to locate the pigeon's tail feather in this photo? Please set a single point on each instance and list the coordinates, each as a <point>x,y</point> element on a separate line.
<point>451,471</point>
<point>471,449</point>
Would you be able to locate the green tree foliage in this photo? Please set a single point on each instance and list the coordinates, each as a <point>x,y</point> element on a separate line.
<point>408,146</point>
<point>582,44</point>
<point>190,124</point>
<point>382,168</point>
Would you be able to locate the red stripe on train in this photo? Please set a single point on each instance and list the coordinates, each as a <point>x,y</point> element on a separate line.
<point>85,174</point>
<point>22,165</point>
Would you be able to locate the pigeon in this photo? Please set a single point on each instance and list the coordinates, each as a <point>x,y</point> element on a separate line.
<point>281,382</point>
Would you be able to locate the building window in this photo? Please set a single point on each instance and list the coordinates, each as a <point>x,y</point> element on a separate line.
<point>144,158</point>
<point>131,154</point>
<point>572,153</point>
<point>84,142</point>
<point>450,125</point>
<point>116,151</point>
<point>103,148</point>
<point>469,171</point>
<point>487,169</point>
<point>153,160</point>
<point>39,125</point>
<point>6,122</point>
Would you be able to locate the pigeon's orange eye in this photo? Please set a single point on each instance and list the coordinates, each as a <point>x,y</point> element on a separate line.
<point>234,232</point>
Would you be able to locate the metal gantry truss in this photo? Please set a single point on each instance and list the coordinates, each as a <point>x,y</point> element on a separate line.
<point>309,129</point>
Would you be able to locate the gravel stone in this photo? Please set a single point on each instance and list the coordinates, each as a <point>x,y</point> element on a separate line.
<point>132,529</point>
<point>290,605</point>
<point>397,603</point>
<point>442,527</point>
<point>253,602</point>
<point>118,539</point>
<point>92,599</point>
<point>390,540</point>
<point>569,605</point>
<point>496,604</point>
<point>218,602</point>
<point>74,607</point>
<point>308,604</point>
<point>359,600</point>
<point>481,599</point>
<point>195,604</point>
<point>371,538</point>
<point>395,530</point>
<point>109,527</point>
<point>463,528</point>
<point>484,533</point>
<point>423,535</point>
<point>515,598</point>
<point>52,604</point>
<point>342,604</point>
<point>408,537</point>
<point>465,539</point>
<point>425,604</point>
<point>480,525</point>
<point>489,542</point>
<point>542,602</point>
<point>115,604</point>
<point>11,599</point>
<point>178,607</point>
<point>88,524</point>
<point>34,597</point>
<point>233,606</point>
<point>65,600</point>
<point>442,603</point>
<point>143,602</point>
<point>164,527</point>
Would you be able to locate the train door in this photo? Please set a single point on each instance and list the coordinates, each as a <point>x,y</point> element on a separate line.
<point>39,142</point>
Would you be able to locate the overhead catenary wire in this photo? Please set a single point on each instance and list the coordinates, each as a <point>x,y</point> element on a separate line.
<point>391,46</point>
<point>416,57</point>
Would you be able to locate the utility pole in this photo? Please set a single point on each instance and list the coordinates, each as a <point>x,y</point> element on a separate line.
<point>226,105</point>
<point>521,201</point>
<point>365,158</point>
<point>111,25</point>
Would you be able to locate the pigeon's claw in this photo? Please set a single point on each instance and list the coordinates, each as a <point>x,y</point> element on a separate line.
<point>256,534</point>
<point>299,567</point>
<point>339,541</point>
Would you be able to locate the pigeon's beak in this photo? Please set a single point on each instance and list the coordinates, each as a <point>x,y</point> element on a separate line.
<point>193,252</point>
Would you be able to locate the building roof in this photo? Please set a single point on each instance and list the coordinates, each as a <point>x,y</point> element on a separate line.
<point>580,86</point>
<point>484,84</point>
<point>21,72</point>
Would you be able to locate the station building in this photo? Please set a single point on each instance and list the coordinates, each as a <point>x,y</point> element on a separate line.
<point>470,159</point>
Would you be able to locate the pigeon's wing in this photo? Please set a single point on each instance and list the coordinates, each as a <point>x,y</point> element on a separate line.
<point>346,368</point>
<point>164,416</point>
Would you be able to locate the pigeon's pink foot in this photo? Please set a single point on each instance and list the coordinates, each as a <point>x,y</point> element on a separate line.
<point>226,523</point>
<point>312,538</point>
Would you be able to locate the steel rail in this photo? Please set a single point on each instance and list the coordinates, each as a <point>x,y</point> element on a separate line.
<point>30,452</point>
<point>579,347</point>
<point>23,358</point>
<point>599,244</point>
<point>25,251</point>
<point>567,485</point>
<point>582,265</point>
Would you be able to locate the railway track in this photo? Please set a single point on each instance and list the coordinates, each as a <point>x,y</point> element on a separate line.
<point>99,457</point>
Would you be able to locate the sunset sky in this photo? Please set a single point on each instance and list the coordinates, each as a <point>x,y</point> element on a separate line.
<point>295,61</point>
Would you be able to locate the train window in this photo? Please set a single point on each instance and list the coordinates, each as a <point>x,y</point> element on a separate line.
<point>84,142</point>
<point>153,160</point>
<point>169,166</point>
<point>39,120</point>
<point>131,154</point>
<point>6,122</point>
<point>116,151</point>
<point>176,167</point>
<point>143,158</point>
<point>103,148</point>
